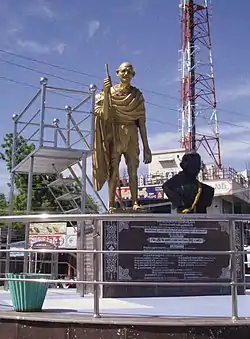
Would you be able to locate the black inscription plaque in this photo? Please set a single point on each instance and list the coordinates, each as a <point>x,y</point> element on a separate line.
<point>168,235</point>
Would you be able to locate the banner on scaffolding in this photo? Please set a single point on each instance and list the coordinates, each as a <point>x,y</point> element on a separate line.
<point>58,241</point>
<point>144,192</point>
<point>48,228</point>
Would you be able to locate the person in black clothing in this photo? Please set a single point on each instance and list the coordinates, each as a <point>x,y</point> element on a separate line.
<point>186,193</point>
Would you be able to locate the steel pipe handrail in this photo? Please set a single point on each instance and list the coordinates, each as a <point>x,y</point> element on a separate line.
<point>68,90</point>
<point>179,219</point>
<point>131,283</point>
<point>93,251</point>
<point>51,126</point>
<point>122,217</point>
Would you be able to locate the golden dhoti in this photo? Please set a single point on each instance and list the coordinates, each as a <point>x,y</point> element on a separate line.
<point>118,136</point>
<point>127,144</point>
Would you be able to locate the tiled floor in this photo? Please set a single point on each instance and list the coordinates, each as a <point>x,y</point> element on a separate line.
<point>68,301</point>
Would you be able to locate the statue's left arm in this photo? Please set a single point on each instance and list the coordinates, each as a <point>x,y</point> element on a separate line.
<point>143,132</point>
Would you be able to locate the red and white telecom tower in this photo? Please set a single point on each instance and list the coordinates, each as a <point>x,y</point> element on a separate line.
<point>199,123</point>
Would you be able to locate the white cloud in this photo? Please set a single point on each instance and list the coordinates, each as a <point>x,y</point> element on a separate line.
<point>107,31</point>
<point>93,27</point>
<point>136,52</point>
<point>127,50</point>
<point>140,6</point>
<point>235,146</point>
<point>226,129</point>
<point>35,47</point>
<point>240,128</point>
<point>171,77</point>
<point>13,30</point>
<point>163,141</point>
<point>60,47</point>
<point>47,11</point>
<point>235,150</point>
<point>41,8</point>
<point>234,92</point>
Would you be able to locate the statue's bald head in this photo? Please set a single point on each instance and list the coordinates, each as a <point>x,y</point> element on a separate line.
<point>125,67</point>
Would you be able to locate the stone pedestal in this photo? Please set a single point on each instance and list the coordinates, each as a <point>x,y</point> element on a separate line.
<point>168,235</point>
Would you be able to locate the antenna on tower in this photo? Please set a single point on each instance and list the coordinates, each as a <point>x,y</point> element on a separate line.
<point>199,122</point>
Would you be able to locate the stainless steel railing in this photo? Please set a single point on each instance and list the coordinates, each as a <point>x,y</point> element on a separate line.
<point>97,282</point>
<point>120,217</point>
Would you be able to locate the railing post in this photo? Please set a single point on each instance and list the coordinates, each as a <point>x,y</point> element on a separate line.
<point>68,110</point>
<point>43,82</point>
<point>15,118</point>
<point>56,127</point>
<point>234,287</point>
<point>28,256</point>
<point>96,270</point>
<point>81,230</point>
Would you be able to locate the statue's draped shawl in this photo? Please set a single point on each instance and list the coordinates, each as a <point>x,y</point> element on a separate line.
<point>126,109</point>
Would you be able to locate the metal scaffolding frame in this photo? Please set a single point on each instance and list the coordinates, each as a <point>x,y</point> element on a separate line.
<point>55,152</point>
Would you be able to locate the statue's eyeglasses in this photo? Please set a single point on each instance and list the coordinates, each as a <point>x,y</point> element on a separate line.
<point>129,71</point>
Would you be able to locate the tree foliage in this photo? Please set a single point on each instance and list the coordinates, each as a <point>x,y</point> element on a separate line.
<point>3,204</point>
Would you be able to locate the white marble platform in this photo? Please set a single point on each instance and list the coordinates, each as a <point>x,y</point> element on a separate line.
<point>69,302</point>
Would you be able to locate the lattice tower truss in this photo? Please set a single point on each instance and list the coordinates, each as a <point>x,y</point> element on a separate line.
<point>198,116</point>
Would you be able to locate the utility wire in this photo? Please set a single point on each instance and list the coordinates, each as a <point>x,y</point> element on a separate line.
<point>227,123</point>
<point>67,96</point>
<point>35,87</point>
<point>79,83</point>
<point>69,80</point>
<point>149,103</point>
<point>49,64</point>
<point>233,112</point>
<point>77,71</point>
<point>149,119</point>
<point>18,82</point>
<point>90,75</point>
<point>44,73</point>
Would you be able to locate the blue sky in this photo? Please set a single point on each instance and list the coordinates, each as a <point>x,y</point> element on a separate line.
<point>84,35</point>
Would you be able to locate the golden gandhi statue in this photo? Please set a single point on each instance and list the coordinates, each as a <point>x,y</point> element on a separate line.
<point>119,114</point>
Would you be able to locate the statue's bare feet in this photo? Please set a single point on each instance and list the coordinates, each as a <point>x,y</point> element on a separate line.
<point>136,207</point>
<point>111,209</point>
